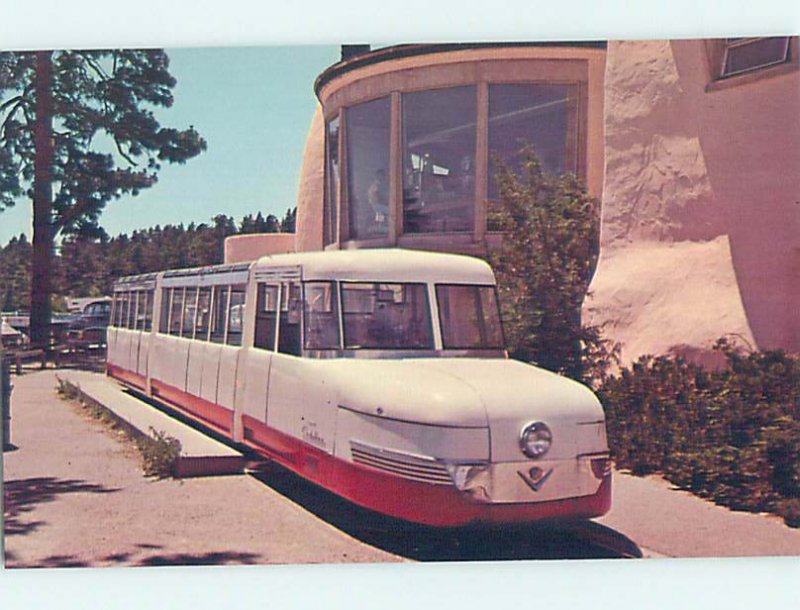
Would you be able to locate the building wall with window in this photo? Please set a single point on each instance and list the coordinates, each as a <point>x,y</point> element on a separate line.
<point>404,147</point>
<point>692,146</point>
<point>701,199</point>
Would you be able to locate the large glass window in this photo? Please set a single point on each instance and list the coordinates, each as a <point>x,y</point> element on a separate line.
<point>469,317</point>
<point>368,169</point>
<point>439,160</point>
<point>537,115</point>
<point>386,316</point>
<point>331,218</point>
<point>322,316</point>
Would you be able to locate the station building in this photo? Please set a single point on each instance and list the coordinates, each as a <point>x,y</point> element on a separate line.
<point>691,146</point>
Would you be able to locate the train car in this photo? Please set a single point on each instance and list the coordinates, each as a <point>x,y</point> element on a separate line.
<point>380,375</point>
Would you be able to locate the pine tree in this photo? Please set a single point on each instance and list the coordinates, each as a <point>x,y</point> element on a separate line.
<point>77,129</point>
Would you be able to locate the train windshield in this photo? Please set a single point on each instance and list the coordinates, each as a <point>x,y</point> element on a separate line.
<point>386,316</point>
<point>470,317</point>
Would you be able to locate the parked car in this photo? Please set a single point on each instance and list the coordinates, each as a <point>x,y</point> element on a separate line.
<point>88,329</point>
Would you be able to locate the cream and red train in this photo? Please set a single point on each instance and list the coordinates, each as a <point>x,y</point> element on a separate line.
<point>380,375</point>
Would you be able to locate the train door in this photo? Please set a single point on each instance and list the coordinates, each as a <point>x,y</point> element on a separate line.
<point>292,376</point>
<point>256,364</point>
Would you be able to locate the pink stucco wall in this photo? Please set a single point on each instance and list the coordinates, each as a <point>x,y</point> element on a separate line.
<point>701,204</point>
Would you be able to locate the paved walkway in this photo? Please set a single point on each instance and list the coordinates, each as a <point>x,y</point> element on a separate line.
<point>75,496</point>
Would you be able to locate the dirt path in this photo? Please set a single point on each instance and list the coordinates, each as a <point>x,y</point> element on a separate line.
<point>64,461</point>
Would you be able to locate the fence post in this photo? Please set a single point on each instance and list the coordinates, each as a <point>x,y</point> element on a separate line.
<point>5,398</point>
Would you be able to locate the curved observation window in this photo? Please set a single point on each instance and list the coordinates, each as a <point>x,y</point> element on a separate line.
<point>368,169</point>
<point>439,160</point>
<point>541,117</point>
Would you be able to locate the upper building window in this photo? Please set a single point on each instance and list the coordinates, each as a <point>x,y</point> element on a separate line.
<point>746,54</point>
<point>439,160</point>
<point>367,140</point>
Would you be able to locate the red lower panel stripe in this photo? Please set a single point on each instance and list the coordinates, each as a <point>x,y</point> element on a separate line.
<point>209,413</point>
<point>436,505</point>
<point>126,376</point>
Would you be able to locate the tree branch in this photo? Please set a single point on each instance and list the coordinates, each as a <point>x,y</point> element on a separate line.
<point>122,152</point>
<point>8,103</point>
<point>70,215</point>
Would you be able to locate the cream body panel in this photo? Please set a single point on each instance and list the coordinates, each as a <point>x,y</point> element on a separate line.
<point>210,372</point>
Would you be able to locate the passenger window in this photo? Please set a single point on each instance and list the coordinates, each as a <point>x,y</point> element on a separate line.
<point>131,321</point>
<point>163,321</point>
<point>203,314</point>
<point>189,312</point>
<point>266,316</point>
<point>122,320</point>
<point>236,316</point>
<point>176,311</point>
<point>322,316</point>
<point>148,311</point>
<point>220,307</point>
<point>291,310</point>
<point>141,309</point>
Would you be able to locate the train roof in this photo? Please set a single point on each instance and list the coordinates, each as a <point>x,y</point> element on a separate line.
<point>382,265</point>
<point>389,265</point>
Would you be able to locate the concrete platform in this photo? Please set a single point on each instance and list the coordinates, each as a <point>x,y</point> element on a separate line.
<point>201,455</point>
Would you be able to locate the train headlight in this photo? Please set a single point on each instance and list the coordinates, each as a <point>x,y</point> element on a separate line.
<point>535,439</point>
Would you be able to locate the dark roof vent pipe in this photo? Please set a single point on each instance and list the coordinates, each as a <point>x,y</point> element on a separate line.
<point>349,51</point>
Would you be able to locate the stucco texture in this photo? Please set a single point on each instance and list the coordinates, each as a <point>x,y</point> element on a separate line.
<point>700,227</point>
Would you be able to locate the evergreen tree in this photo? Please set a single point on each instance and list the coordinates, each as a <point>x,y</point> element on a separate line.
<point>61,112</point>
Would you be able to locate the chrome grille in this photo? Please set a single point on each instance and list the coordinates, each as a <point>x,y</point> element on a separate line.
<point>407,465</point>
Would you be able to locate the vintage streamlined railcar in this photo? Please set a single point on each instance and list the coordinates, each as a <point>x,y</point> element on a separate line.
<point>380,375</point>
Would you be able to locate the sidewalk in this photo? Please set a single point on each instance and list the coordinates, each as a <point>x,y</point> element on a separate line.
<point>69,479</point>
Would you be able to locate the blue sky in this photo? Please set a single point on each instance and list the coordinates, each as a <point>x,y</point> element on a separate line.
<point>254,107</point>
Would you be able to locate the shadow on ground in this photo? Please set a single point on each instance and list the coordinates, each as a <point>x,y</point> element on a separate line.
<point>24,495</point>
<point>580,540</point>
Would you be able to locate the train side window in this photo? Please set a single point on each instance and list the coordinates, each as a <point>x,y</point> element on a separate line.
<point>236,316</point>
<point>220,309</point>
<point>203,314</point>
<point>189,312</point>
<point>141,310</point>
<point>321,316</point>
<point>266,316</point>
<point>289,328</point>
<point>176,311</point>
<point>131,321</point>
<point>123,310</point>
<point>163,319</point>
<point>117,316</point>
<point>148,310</point>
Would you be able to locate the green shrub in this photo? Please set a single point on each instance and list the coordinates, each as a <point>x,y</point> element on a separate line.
<point>732,435</point>
<point>160,453</point>
<point>551,230</point>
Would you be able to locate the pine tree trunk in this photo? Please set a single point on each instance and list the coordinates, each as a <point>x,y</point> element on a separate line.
<point>42,201</point>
